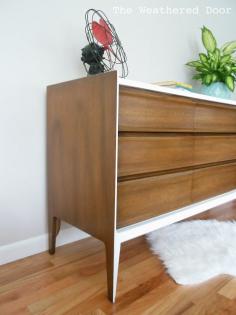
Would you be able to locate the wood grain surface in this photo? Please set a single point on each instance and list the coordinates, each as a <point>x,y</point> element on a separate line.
<point>212,181</point>
<point>144,198</point>
<point>81,157</point>
<point>142,110</point>
<point>81,129</point>
<point>145,153</point>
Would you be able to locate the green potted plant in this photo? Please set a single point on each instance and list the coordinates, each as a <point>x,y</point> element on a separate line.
<point>216,69</point>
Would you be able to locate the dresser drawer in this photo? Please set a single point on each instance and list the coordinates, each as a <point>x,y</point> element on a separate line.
<point>212,181</point>
<point>142,199</point>
<point>149,111</point>
<point>142,110</point>
<point>214,117</point>
<point>145,154</point>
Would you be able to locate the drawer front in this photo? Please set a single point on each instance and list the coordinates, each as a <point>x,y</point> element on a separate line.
<point>142,199</point>
<point>146,154</point>
<point>213,181</point>
<point>210,118</point>
<point>138,154</point>
<point>142,110</point>
<point>145,198</point>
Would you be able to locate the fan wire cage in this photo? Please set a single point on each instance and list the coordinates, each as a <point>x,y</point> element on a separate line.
<point>114,55</point>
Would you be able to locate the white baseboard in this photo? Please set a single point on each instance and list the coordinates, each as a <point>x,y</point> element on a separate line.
<point>38,244</point>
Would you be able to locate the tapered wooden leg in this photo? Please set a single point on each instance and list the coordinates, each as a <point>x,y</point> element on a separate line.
<point>112,259</point>
<point>54,228</point>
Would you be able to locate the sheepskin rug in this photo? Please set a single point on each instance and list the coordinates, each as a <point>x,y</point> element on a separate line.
<point>195,251</point>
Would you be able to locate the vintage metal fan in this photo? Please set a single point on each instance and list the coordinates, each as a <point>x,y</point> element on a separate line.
<point>104,51</point>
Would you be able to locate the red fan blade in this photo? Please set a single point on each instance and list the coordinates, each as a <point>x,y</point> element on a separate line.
<point>102,33</point>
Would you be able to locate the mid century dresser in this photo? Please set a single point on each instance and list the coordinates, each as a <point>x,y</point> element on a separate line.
<point>125,158</point>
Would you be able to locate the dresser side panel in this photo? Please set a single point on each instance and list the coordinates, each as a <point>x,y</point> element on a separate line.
<point>81,153</point>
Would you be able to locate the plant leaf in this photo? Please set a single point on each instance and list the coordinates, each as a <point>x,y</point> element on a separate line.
<point>208,40</point>
<point>214,65</point>
<point>229,80</point>
<point>217,54</point>
<point>194,64</point>
<point>203,57</point>
<point>208,79</point>
<point>224,46</point>
<point>214,77</point>
<point>225,58</point>
<point>202,69</point>
<point>227,68</point>
<point>229,48</point>
<point>206,66</point>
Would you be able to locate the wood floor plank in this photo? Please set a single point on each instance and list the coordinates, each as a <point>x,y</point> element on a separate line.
<point>229,290</point>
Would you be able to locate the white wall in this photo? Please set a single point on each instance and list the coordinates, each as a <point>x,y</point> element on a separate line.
<point>40,44</point>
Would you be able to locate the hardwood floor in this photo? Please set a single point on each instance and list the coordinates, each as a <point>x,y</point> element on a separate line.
<point>73,282</point>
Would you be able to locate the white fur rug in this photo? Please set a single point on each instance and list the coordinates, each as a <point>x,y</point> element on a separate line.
<point>196,251</point>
